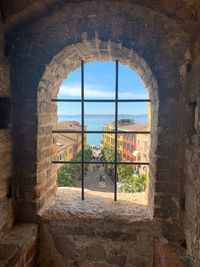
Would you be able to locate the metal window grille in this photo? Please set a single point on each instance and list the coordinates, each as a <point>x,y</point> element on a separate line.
<point>115,132</point>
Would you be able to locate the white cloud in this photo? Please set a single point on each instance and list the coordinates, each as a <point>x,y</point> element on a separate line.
<point>129,95</point>
<point>74,90</point>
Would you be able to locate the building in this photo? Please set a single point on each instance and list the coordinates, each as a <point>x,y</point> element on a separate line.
<point>133,147</point>
<point>136,146</point>
<point>129,141</point>
<point>41,43</point>
<point>109,139</point>
<point>66,148</point>
<point>73,126</point>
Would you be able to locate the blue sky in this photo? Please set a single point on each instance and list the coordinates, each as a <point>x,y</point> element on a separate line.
<point>100,84</point>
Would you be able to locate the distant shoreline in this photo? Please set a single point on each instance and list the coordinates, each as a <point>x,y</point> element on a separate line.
<point>95,122</point>
<point>105,115</point>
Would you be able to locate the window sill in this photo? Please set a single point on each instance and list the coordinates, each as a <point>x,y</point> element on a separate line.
<point>97,205</point>
<point>97,231</point>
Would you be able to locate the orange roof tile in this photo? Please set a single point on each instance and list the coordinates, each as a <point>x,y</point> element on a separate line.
<point>69,125</point>
<point>134,127</point>
<point>64,142</point>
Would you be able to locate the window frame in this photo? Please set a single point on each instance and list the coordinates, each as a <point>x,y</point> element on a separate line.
<point>115,131</point>
<point>138,142</point>
<point>145,146</point>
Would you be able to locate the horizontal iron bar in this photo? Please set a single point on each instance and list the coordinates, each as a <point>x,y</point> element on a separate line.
<point>65,131</point>
<point>131,132</point>
<point>99,132</point>
<point>134,100</point>
<point>101,100</point>
<point>100,162</point>
<point>66,100</point>
<point>134,132</point>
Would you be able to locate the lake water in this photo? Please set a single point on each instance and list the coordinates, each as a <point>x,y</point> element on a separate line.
<point>96,122</point>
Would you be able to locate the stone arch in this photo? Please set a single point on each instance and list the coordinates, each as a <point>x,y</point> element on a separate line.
<point>157,39</point>
<point>64,63</point>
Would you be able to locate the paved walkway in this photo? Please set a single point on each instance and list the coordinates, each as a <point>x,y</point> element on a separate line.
<point>92,180</point>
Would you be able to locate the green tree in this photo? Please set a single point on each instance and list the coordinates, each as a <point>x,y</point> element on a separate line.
<point>87,154</point>
<point>108,154</point>
<point>124,172</point>
<point>140,183</point>
<point>129,185</point>
<point>69,174</point>
<point>135,184</point>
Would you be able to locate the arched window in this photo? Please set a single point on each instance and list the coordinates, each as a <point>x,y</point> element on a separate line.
<point>122,138</point>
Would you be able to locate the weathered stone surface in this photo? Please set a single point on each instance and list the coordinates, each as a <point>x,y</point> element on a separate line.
<point>19,246</point>
<point>171,255</point>
<point>192,162</point>
<point>98,230</point>
<point>6,157</point>
<point>41,42</point>
<point>192,197</point>
<point>96,204</point>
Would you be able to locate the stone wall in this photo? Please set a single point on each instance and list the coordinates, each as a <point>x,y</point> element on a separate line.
<point>19,246</point>
<point>192,181</point>
<point>6,182</point>
<point>158,40</point>
<point>16,11</point>
<point>163,35</point>
<point>167,254</point>
<point>114,234</point>
<point>99,233</point>
<point>77,242</point>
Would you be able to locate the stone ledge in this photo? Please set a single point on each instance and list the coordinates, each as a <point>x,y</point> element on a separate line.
<point>97,231</point>
<point>97,205</point>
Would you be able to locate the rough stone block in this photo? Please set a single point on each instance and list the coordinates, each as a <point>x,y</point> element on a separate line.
<point>171,255</point>
<point>18,243</point>
<point>9,255</point>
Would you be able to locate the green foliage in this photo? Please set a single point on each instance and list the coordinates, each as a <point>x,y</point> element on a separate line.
<point>124,172</point>
<point>135,183</point>
<point>129,185</point>
<point>69,174</point>
<point>132,183</point>
<point>87,155</point>
<point>108,154</point>
<point>140,183</point>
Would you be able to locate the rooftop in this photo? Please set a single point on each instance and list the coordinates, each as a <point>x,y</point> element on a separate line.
<point>130,126</point>
<point>134,127</point>
<point>64,142</point>
<point>69,125</point>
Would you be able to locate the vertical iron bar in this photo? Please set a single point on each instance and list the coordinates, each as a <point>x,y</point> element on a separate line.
<point>82,123</point>
<point>116,118</point>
